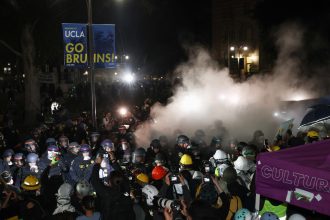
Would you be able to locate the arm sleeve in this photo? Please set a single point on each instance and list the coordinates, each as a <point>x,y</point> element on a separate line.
<point>186,194</point>
<point>163,190</point>
<point>72,171</point>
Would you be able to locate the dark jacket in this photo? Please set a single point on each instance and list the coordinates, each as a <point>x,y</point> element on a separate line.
<point>114,204</point>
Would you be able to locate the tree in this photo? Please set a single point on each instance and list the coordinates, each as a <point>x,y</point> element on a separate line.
<point>24,21</point>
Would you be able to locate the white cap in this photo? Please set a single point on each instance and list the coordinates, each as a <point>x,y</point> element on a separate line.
<point>241,164</point>
<point>220,155</point>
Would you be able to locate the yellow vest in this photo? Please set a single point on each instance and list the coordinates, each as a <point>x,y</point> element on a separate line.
<point>279,210</point>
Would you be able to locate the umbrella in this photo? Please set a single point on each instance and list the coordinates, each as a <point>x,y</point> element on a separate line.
<point>316,114</point>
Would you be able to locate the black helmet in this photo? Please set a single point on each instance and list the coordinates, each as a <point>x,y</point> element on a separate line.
<point>182,139</point>
<point>241,145</point>
<point>155,143</point>
<point>160,158</point>
<point>139,152</point>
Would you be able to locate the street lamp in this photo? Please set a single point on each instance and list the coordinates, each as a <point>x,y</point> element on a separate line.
<point>91,63</point>
<point>128,78</point>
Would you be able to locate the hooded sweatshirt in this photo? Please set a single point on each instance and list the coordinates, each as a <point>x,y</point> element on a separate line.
<point>64,199</point>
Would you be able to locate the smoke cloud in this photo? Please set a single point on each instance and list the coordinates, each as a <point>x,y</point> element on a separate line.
<point>209,99</point>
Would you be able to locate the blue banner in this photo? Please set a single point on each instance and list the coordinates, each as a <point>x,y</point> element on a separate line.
<point>104,45</point>
<point>75,45</point>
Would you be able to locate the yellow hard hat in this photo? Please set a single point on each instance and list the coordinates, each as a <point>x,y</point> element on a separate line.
<point>142,178</point>
<point>313,134</point>
<point>31,183</point>
<point>275,148</point>
<point>186,160</point>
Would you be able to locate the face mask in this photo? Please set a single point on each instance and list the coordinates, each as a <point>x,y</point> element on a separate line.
<point>51,155</point>
<point>33,167</point>
<point>11,182</point>
<point>86,156</point>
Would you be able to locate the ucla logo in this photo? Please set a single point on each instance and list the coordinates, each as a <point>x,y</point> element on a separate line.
<point>74,34</point>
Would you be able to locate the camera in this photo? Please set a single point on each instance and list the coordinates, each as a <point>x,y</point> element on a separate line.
<point>105,155</point>
<point>174,179</point>
<point>174,205</point>
<point>207,166</point>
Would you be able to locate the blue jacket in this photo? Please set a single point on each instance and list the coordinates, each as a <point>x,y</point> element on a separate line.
<point>81,169</point>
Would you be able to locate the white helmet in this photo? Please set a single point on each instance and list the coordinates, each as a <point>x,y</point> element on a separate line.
<point>297,217</point>
<point>241,164</point>
<point>149,191</point>
<point>220,155</point>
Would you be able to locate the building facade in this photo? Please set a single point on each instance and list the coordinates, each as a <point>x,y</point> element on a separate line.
<point>235,36</point>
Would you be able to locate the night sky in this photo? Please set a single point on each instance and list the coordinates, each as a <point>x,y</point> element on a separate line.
<point>152,32</point>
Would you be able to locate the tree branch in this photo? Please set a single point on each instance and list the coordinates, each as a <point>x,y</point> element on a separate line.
<point>10,48</point>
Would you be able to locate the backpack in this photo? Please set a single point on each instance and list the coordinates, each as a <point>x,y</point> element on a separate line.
<point>235,205</point>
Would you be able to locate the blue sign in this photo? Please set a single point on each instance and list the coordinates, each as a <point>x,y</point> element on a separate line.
<point>104,45</point>
<point>75,45</point>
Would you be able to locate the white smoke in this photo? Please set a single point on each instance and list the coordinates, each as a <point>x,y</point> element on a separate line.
<point>209,94</point>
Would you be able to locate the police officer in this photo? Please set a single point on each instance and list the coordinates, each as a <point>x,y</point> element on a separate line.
<point>153,149</point>
<point>30,146</point>
<point>53,157</point>
<point>183,146</point>
<point>17,169</point>
<point>124,152</point>
<point>8,157</point>
<point>32,166</point>
<point>139,161</point>
<point>94,141</point>
<point>82,166</point>
<point>108,155</point>
<point>63,143</point>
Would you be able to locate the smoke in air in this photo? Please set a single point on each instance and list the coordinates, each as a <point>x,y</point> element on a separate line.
<point>209,99</point>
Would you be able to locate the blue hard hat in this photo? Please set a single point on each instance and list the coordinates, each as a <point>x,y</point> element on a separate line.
<point>32,158</point>
<point>85,148</point>
<point>50,141</point>
<point>8,153</point>
<point>155,143</point>
<point>107,143</point>
<point>53,148</point>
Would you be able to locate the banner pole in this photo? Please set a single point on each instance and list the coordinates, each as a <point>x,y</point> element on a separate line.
<point>91,63</point>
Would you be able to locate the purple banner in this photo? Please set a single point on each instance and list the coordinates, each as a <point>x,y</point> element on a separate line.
<point>299,176</point>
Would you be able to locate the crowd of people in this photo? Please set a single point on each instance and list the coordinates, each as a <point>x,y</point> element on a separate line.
<point>68,171</point>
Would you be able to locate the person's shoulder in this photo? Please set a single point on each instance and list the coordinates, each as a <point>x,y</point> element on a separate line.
<point>82,217</point>
<point>96,216</point>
